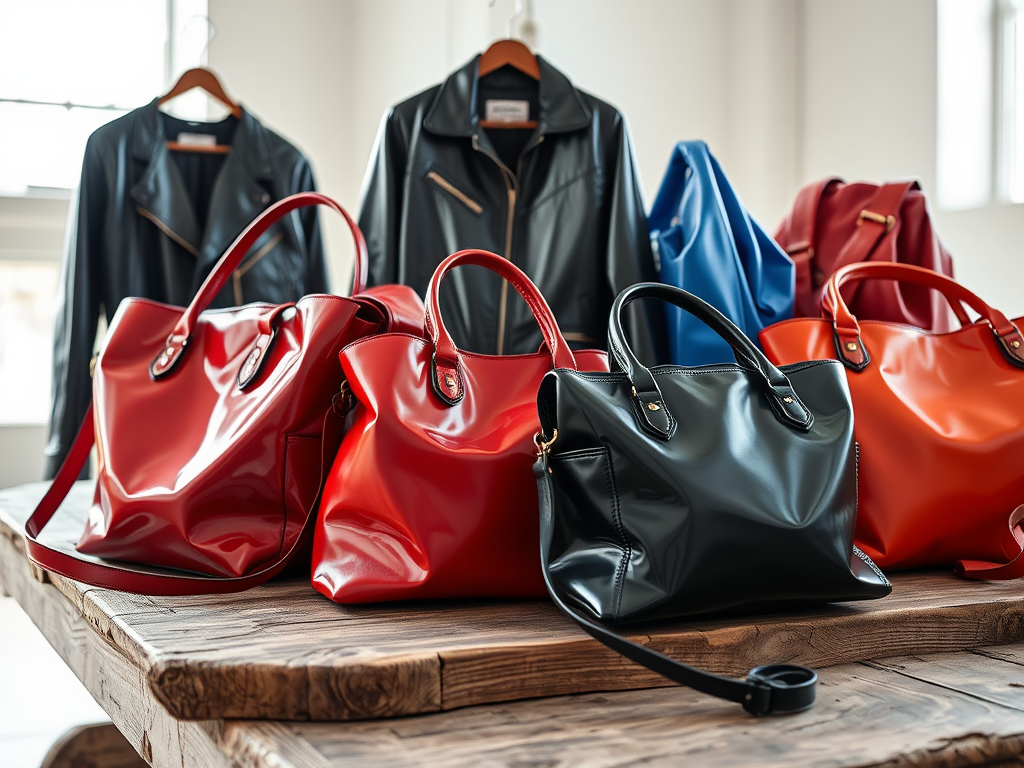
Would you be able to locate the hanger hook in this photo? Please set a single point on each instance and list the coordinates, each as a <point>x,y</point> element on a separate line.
<point>512,20</point>
<point>211,32</point>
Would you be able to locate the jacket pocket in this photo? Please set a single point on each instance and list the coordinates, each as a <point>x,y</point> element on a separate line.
<point>440,181</point>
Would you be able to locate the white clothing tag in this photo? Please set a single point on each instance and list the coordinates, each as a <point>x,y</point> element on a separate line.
<point>506,111</point>
<point>197,140</point>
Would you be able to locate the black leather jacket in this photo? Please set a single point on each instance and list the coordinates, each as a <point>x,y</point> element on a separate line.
<point>134,231</point>
<point>569,213</point>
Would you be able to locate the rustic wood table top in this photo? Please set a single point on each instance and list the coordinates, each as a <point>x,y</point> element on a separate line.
<point>236,680</point>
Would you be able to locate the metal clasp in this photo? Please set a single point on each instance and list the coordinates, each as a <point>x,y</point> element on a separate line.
<point>888,221</point>
<point>544,446</point>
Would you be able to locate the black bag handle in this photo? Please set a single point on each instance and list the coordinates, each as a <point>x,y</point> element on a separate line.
<point>768,690</point>
<point>653,411</point>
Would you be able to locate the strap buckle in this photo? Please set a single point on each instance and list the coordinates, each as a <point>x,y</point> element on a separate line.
<point>544,446</point>
<point>780,689</point>
<point>888,221</point>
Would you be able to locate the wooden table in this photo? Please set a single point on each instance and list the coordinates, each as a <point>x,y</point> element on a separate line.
<point>324,685</point>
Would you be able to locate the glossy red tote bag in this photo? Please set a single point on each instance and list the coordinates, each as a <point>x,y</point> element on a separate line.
<point>939,418</point>
<point>432,492</point>
<point>834,224</point>
<point>214,429</point>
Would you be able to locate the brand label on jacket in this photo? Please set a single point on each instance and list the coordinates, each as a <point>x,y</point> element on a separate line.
<point>197,139</point>
<point>506,110</point>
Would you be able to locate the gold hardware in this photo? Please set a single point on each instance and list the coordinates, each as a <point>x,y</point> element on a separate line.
<point>653,407</point>
<point>634,392</point>
<point>851,346</point>
<point>1015,344</point>
<point>92,366</point>
<point>888,221</point>
<point>787,399</point>
<point>449,381</point>
<point>544,446</point>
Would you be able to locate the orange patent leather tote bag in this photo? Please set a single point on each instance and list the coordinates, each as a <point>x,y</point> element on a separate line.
<point>432,492</point>
<point>214,430</point>
<point>834,223</point>
<point>939,418</point>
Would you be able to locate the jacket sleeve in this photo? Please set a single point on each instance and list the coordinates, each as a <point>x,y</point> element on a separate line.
<point>316,264</point>
<point>78,309</point>
<point>629,257</point>
<point>380,213</point>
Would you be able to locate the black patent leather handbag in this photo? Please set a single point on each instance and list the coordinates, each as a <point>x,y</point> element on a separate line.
<point>670,492</point>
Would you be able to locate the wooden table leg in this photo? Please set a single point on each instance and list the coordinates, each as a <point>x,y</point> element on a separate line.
<point>93,746</point>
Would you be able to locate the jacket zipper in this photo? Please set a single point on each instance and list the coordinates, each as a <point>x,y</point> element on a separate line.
<point>236,276</point>
<point>167,231</point>
<point>510,189</point>
<point>455,192</point>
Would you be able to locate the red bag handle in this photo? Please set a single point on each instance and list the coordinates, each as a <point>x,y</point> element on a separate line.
<point>849,345</point>
<point>447,374</point>
<point>221,273</point>
<point>804,216</point>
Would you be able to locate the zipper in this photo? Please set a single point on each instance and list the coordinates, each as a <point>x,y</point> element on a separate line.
<point>236,276</point>
<point>168,231</point>
<point>455,192</point>
<point>510,189</point>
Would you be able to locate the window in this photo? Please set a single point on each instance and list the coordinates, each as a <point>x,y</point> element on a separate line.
<point>66,68</point>
<point>980,158</point>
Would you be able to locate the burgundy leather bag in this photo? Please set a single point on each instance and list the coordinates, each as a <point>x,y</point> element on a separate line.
<point>214,430</point>
<point>834,224</point>
<point>432,492</point>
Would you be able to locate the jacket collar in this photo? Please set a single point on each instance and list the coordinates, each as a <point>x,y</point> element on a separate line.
<point>455,112</point>
<point>237,196</point>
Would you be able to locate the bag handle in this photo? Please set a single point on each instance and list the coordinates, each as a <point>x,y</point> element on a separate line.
<point>147,582</point>
<point>804,216</point>
<point>447,375</point>
<point>769,689</point>
<point>670,193</point>
<point>178,339</point>
<point>655,416</point>
<point>849,346</point>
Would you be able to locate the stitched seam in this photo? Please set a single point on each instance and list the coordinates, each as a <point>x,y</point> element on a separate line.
<point>582,175</point>
<point>626,543</point>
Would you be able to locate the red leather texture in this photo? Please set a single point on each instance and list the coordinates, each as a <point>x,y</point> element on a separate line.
<point>834,224</point>
<point>432,492</point>
<point>939,421</point>
<point>211,455</point>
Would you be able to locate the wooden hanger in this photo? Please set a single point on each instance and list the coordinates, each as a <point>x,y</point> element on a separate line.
<point>200,77</point>
<point>511,53</point>
<point>514,54</point>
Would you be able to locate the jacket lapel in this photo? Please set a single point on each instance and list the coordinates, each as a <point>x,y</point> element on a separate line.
<point>160,194</point>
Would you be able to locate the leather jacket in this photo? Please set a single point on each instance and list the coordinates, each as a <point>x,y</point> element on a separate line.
<point>567,210</point>
<point>134,230</point>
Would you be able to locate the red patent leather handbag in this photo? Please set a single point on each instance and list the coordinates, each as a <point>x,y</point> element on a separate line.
<point>432,492</point>
<point>833,224</point>
<point>214,429</point>
<point>939,420</point>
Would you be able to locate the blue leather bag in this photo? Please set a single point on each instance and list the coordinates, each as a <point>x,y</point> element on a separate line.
<point>710,245</point>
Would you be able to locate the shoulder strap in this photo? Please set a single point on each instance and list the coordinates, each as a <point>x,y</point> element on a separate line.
<point>141,581</point>
<point>875,222</point>
<point>769,689</point>
<point>978,569</point>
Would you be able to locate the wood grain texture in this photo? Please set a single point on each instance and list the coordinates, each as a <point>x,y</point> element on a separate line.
<point>951,710</point>
<point>93,746</point>
<point>283,652</point>
<point>866,715</point>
